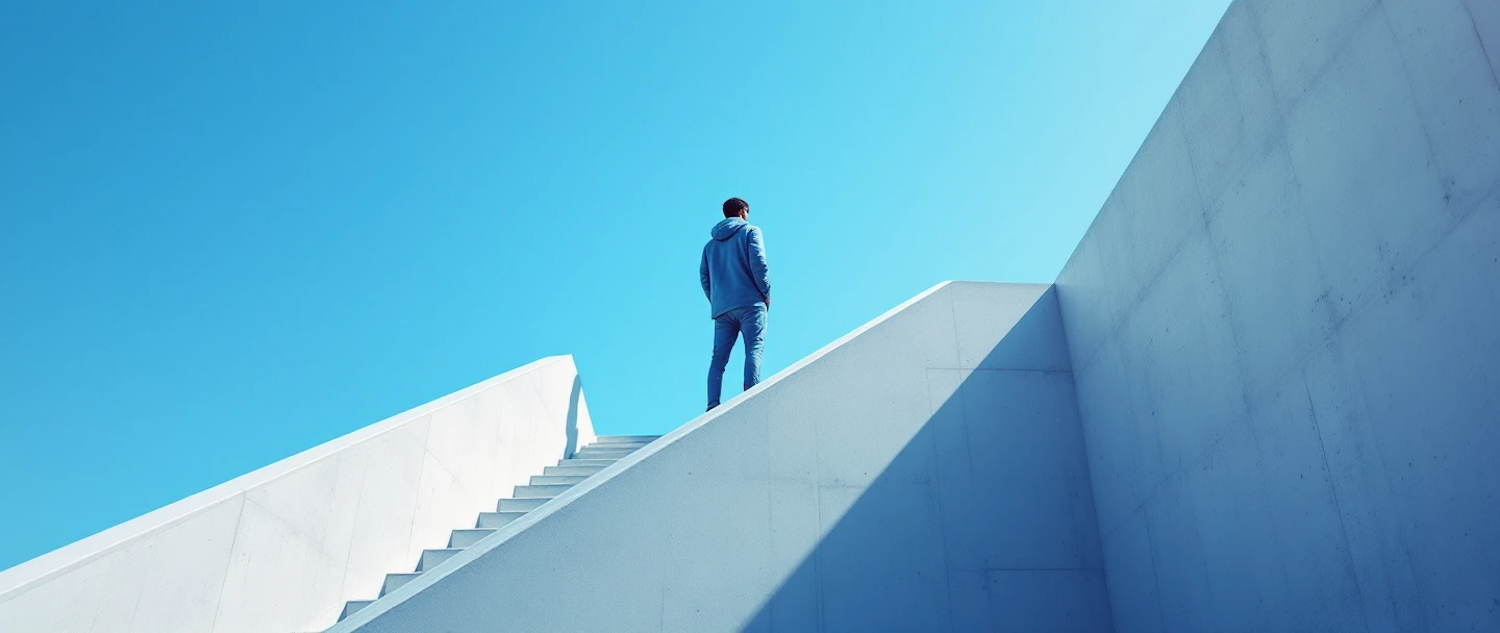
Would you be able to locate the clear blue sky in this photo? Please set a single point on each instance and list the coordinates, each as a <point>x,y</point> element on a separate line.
<point>232,231</point>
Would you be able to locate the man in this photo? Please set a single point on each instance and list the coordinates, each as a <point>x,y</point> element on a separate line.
<point>733,272</point>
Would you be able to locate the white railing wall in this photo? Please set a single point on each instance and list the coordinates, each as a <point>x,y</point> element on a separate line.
<point>282,548</point>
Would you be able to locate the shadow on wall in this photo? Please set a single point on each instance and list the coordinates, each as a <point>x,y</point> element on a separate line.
<point>983,521</point>
<point>572,430</point>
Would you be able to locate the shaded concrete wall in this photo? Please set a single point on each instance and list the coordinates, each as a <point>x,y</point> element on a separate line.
<point>924,473</point>
<point>1283,327</point>
<point>282,548</point>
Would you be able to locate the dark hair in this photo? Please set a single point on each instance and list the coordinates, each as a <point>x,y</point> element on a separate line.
<point>733,207</point>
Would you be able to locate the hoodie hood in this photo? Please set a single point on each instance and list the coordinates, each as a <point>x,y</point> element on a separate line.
<point>726,229</point>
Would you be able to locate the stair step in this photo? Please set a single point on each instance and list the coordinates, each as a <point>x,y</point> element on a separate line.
<point>611,439</point>
<point>540,492</point>
<point>519,505</point>
<point>586,462</point>
<point>618,445</point>
<point>611,448</point>
<point>571,471</point>
<point>434,557</point>
<point>497,520</point>
<point>593,454</point>
<point>394,581</point>
<point>353,606</point>
<point>551,480</point>
<point>461,539</point>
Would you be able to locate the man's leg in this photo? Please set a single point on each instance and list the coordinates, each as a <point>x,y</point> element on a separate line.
<point>725,328</point>
<point>753,328</point>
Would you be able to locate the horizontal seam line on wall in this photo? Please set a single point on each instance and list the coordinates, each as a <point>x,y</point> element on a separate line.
<point>1019,371</point>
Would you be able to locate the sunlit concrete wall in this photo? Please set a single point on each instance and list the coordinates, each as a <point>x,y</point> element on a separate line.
<point>282,548</point>
<point>1285,325</point>
<point>924,473</point>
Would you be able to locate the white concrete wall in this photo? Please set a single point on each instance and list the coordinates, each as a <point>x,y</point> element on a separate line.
<point>1283,327</point>
<point>282,548</point>
<point>925,473</point>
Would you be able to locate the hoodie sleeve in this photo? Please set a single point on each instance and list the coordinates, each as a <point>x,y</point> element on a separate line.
<point>758,268</point>
<point>703,275</point>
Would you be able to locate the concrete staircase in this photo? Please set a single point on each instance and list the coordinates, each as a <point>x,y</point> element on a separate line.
<point>552,482</point>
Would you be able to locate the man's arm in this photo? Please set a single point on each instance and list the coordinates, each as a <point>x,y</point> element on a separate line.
<point>758,269</point>
<point>703,276</point>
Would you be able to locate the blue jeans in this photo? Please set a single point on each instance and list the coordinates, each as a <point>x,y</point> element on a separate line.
<point>749,322</point>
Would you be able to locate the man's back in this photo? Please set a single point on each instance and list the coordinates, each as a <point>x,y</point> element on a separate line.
<point>734,272</point>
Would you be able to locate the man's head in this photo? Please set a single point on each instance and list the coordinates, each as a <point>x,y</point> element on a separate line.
<point>736,208</point>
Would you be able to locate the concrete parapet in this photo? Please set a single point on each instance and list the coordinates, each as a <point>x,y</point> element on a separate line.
<point>282,548</point>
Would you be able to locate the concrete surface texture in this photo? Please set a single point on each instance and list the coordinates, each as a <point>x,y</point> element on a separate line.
<point>282,548</point>
<point>1283,328</point>
<point>925,472</point>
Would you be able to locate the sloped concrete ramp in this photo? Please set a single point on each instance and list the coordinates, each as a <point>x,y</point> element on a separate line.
<point>925,472</point>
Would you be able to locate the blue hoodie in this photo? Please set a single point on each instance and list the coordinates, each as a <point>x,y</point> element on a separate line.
<point>733,271</point>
